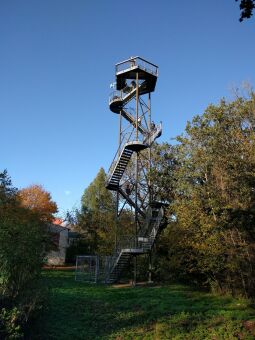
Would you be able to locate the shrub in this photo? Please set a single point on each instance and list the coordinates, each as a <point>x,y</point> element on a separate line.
<point>22,244</point>
<point>9,323</point>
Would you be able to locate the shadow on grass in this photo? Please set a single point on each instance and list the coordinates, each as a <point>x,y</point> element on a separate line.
<point>81,311</point>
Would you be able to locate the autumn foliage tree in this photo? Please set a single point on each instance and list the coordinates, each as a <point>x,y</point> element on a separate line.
<point>39,201</point>
<point>211,235</point>
<point>22,245</point>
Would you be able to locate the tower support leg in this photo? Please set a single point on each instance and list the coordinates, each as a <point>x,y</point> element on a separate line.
<point>150,268</point>
<point>116,221</point>
<point>135,271</point>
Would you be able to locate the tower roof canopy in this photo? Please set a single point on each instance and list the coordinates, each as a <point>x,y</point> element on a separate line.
<point>128,69</point>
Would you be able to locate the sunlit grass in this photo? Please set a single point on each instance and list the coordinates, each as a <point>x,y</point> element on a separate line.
<point>82,311</point>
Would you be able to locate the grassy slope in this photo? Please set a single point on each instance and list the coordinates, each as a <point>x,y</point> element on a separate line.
<point>82,311</point>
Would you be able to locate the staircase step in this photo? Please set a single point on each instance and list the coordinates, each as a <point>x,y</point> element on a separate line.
<point>116,177</point>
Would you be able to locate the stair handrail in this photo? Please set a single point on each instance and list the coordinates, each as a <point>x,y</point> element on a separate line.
<point>115,160</point>
<point>158,221</point>
<point>153,226</point>
<point>146,223</point>
<point>130,242</point>
<point>118,95</point>
<point>141,128</point>
<point>110,266</point>
<point>153,134</point>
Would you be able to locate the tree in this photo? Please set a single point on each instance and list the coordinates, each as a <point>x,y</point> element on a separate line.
<point>246,7</point>
<point>96,197</point>
<point>96,218</point>
<point>7,191</point>
<point>162,171</point>
<point>38,200</point>
<point>22,244</point>
<point>211,234</point>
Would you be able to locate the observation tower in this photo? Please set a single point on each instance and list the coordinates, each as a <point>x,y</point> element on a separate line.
<point>129,173</point>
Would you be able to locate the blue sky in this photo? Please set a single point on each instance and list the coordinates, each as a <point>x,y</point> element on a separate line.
<point>57,60</point>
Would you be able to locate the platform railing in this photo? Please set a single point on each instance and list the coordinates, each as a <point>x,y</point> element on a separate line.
<point>137,62</point>
<point>115,95</point>
<point>118,95</point>
<point>126,242</point>
<point>129,242</point>
<point>151,226</point>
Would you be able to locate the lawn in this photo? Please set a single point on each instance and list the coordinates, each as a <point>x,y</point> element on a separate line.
<point>84,311</point>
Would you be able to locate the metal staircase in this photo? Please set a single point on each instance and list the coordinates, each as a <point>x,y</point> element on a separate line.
<point>130,201</point>
<point>131,120</point>
<point>118,168</point>
<point>129,246</point>
<point>120,98</point>
<point>134,77</point>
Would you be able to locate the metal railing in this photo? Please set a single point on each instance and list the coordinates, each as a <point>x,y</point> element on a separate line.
<point>151,225</point>
<point>125,93</point>
<point>137,62</point>
<point>145,226</point>
<point>128,242</point>
<point>109,264</point>
<point>158,220</point>
<point>153,134</point>
<point>115,95</point>
<point>115,160</point>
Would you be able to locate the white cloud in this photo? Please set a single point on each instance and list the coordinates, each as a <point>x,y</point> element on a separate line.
<point>67,192</point>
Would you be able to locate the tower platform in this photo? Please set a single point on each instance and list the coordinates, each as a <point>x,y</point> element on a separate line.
<point>128,69</point>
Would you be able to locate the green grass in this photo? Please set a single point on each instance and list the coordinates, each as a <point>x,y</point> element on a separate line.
<point>85,311</point>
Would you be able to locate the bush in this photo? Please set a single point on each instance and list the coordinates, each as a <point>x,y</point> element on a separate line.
<point>9,323</point>
<point>21,251</point>
<point>22,245</point>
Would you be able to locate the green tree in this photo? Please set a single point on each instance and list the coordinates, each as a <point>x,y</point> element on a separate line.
<point>96,219</point>
<point>211,235</point>
<point>7,191</point>
<point>22,244</point>
<point>96,197</point>
<point>246,7</point>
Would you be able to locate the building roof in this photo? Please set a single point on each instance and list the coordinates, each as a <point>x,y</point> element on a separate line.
<point>58,221</point>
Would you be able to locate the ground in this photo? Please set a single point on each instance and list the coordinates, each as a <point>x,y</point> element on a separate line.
<point>85,311</point>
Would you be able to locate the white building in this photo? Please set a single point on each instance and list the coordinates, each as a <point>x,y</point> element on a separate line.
<point>60,242</point>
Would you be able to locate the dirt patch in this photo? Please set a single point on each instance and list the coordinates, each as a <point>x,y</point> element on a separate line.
<point>59,267</point>
<point>138,284</point>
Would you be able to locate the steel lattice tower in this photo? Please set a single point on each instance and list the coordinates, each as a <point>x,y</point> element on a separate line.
<point>128,175</point>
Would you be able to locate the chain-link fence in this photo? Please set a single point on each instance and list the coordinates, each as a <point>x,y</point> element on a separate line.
<point>93,268</point>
